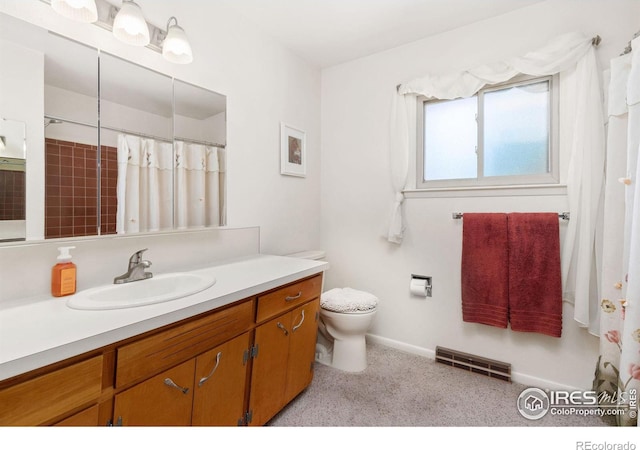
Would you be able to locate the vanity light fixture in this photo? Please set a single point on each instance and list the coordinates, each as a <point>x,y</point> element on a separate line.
<point>130,26</point>
<point>127,24</point>
<point>79,10</point>
<point>176,47</point>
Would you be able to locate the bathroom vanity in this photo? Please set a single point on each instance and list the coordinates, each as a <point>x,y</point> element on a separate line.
<point>233,354</point>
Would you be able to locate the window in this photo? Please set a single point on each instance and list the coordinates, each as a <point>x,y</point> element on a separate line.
<point>504,135</point>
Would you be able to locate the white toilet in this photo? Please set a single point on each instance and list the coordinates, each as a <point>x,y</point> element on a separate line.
<point>345,316</point>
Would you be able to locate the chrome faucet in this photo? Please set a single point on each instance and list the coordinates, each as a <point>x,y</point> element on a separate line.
<point>136,271</point>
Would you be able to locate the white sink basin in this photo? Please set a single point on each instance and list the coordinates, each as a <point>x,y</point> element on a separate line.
<point>160,288</point>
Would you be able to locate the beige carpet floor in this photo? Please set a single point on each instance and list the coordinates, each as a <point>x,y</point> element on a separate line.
<point>402,390</point>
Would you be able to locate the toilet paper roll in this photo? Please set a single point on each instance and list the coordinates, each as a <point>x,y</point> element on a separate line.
<point>418,287</point>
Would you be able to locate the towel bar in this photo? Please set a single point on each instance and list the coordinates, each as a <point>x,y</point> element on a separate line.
<point>562,215</point>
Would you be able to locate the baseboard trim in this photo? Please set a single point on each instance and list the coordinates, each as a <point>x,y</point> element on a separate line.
<point>413,349</point>
<point>516,377</point>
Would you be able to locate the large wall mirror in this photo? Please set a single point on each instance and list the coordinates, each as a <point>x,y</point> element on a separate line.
<point>121,148</point>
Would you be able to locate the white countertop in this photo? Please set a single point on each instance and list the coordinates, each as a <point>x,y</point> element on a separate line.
<point>39,331</point>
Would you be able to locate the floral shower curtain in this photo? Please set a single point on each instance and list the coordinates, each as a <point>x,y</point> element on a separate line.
<point>618,371</point>
<point>144,187</point>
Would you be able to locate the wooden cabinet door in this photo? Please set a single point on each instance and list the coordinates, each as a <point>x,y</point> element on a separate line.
<point>302,348</point>
<point>220,384</point>
<point>269,372</point>
<point>85,418</point>
<point>165,399</point>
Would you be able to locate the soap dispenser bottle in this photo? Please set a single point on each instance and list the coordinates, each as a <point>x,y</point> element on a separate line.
<point>63,274</point>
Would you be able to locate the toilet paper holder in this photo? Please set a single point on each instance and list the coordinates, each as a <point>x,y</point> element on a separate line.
<point>428,286</point>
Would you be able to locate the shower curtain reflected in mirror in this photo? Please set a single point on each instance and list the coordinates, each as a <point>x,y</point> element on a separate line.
<point>146,192</point>
<point>145,169</point>
<point>197,185</point>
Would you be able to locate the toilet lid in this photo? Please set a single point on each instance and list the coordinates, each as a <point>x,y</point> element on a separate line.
<point>348,300</point>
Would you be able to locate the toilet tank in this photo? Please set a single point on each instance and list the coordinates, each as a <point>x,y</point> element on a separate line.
<point>309,254</point>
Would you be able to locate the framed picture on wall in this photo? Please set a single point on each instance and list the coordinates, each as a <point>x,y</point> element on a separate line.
<point>293,152</point>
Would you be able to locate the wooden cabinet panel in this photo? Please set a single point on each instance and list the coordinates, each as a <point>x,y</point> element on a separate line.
<point>85,418</point>
<point>269,372</point>
<point>41,399</point>
<point>220,384</point>
<point>147,356</point>
<point>285,298</point>
<point>302,348</point>
<point>156,401</point>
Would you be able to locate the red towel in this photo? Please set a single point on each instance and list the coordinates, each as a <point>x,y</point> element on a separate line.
<point>535,283</point>
<point>485,296</point>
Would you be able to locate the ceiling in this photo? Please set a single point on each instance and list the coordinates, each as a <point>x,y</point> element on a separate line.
<point>329,32</point>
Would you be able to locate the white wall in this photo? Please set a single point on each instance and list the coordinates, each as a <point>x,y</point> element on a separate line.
<point>12,131</point>
<point>25,269</point>
<point>357,194</point>
<point>264,84</point>
<point>72,105</point>
<point>212,129</point>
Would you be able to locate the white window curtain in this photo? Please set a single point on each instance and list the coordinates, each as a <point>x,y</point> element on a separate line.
<point>144,187</point>
<point>572,56</point>
<point>198,186</point>
<point>618,369</point>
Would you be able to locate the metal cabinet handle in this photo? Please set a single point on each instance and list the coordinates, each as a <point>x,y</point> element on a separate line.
<point>204,379</point>
<point>117,424</point>
<point>300,324</point>
<point>286,333</point>
<point>169,382</point>
<point>291,298</point>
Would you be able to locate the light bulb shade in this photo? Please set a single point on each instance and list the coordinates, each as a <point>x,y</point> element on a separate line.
<point>79,10</point>
<point>129,25</point>
<point>176,47</point>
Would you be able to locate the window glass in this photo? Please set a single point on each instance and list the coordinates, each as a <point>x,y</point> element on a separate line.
<point>516,130</point>
<point>450,139</point>
<point>501,136</point>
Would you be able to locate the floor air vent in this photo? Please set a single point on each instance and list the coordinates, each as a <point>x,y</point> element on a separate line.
<point>473,363</point>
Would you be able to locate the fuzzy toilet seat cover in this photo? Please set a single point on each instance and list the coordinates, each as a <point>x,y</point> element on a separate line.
<point>348,300</point>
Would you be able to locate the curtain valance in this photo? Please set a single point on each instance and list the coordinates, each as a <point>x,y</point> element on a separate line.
<point>557,56</point>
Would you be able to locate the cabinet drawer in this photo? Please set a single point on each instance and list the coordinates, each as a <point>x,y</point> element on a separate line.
<point>50,395</point>
<point>287,297</point>
<point>149,355</point>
